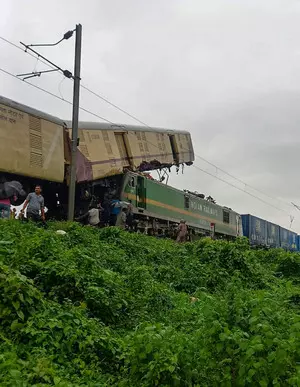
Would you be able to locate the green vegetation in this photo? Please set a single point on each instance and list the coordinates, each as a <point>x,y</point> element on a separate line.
<point>108,308</point>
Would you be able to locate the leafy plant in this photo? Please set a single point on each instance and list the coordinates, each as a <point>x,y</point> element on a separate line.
<point>110,308</point>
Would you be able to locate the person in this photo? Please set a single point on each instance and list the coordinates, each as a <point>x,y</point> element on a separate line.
<point>182,232</point>
<point>121,220</point>
<point>4,208</point>
<point>35,203</point>
<point>101,210</point>
<point>92,215</point>
<point>115,209</point>
<point>105,215</point>
<point>129,216</point>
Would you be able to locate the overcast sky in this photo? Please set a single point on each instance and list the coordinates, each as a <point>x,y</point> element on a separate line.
<point>228,71</point>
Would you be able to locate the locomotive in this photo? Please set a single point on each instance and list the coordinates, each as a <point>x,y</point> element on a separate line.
<point>112,161</point>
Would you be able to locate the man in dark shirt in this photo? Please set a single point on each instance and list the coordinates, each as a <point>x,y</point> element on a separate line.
<point>35,203</point>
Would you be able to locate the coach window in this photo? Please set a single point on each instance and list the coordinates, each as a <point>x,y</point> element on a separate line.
<point>225,216</point>
<point>186,202</point>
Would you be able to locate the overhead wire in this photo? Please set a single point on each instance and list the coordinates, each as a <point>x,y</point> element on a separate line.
<point>55,95</point>
<point>146,125</point>
<point>240,189</point>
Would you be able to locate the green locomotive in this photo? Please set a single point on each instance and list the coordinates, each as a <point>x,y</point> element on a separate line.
<point>159,206</point>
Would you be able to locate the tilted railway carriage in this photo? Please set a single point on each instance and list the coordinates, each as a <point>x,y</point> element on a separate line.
<point>107,149</point>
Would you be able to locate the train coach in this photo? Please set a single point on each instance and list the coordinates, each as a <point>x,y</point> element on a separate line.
<point>35,147</point>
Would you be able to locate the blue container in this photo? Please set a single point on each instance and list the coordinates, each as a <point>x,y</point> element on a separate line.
<point>293,241</point>
<point>288,239</point>
<point>255,229</point>
<point>273,239</point>
<point>284,238</point>
<point>298,242</point>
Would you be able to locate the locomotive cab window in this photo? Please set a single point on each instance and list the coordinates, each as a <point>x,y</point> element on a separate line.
<point>186,202</point>
<point>131,182</point>
<point>226,217</point>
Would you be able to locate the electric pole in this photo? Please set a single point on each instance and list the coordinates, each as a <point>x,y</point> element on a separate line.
<point>76,91</point>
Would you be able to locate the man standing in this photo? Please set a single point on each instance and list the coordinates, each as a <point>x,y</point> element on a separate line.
<point>182,232</point>
<point>35,203</point>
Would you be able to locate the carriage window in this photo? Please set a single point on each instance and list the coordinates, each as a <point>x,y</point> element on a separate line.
<point>186,202</point>
<point>131,182</point>
<point>225,217</point>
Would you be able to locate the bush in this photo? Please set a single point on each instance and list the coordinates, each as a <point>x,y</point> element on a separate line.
<point>109,308</point>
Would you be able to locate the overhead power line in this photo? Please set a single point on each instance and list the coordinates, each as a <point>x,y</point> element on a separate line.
<point>54,95</point>
<point>238,188</point>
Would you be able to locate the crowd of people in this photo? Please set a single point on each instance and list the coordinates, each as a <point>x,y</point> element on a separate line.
<point>113,213</point>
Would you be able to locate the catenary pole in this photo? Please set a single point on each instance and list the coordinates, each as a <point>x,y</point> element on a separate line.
<point>75,115</point>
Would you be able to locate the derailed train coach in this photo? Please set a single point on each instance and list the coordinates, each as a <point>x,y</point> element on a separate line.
<point>35,148</point>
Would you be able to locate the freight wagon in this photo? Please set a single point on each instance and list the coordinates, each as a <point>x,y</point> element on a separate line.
<point>260,232</point>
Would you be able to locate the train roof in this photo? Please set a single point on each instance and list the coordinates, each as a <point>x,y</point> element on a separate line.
<point>26,109</point>
<point>108,126</point>
<point>85,124</point>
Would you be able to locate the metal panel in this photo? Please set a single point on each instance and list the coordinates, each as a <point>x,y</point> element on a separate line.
<point>124,128</point>
<point>273,239</point>
<point>122,149</point>
<point>255,229</point>
<point>26,109</point>
<point>288,239</point>
<point>284,238</point>
<point>30,145</point>
<point>184,147</point>
<point>293,240</point>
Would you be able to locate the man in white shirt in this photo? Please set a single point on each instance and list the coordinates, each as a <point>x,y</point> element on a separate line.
<point>92,215</point>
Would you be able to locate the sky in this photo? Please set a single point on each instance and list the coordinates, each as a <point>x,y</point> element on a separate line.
<point>228,71</point>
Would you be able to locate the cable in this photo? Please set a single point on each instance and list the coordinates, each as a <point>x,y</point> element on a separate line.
<point>54,95</point>
<point>29,53</point>
<point>241,181</point>
<point>240,189</point>
<point>115,106</point>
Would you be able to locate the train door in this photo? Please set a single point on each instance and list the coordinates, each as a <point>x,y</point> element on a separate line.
<point>175,150</point>
<point>123,150</point>
<point>141,192</point>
